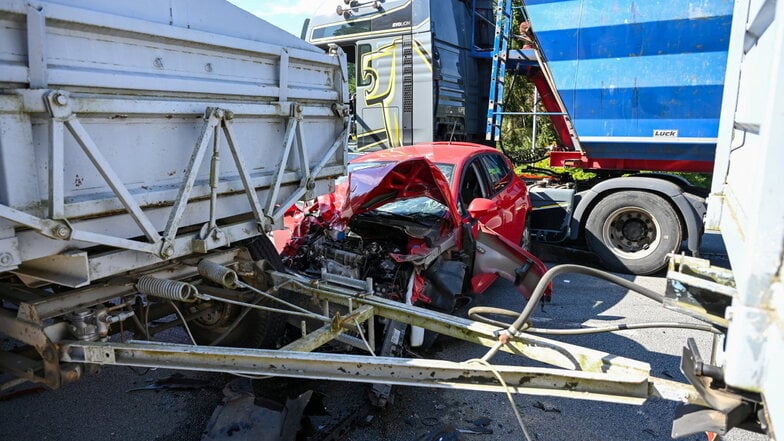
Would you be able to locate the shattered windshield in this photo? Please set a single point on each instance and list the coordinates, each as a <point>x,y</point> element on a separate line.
<point>415,206</point>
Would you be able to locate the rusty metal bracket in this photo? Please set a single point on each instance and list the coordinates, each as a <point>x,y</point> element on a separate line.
<point>34,335</point>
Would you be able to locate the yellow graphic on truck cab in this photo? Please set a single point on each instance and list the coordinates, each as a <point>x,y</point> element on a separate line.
<point>381,80</point>
<point>381,91</point>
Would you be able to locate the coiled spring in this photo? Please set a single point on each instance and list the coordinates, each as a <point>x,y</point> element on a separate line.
<point>167,289</point>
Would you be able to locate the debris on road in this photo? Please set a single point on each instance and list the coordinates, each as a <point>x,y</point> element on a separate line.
<point>20,393</point>
<point>239,418</point>
<point>546,407</point>
<point>475,430</point>
<point>174,382</point>
<point>445,433</point>
<point>481,421</point>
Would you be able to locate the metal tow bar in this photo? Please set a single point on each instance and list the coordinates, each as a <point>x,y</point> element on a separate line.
<point>578,372</point>
<point>410,372</point>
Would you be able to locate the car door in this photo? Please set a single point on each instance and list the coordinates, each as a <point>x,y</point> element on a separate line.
<point>509,194</point>
<point>475,183</point>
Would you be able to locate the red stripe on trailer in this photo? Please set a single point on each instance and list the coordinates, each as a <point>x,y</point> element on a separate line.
<point>576,159</point>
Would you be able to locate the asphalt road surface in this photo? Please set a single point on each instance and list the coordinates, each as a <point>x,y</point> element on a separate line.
<point>103,405</point>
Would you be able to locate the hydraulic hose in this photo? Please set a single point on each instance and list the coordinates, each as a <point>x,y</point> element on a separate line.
<point>536,296</point>
<point>476,313</point>
<point>624,327</point>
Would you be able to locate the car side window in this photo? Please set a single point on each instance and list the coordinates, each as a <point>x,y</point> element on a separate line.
<point>471,186</point>
<point>498,172</point>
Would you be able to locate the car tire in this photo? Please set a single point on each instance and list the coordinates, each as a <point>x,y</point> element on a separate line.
<point>633,232</point>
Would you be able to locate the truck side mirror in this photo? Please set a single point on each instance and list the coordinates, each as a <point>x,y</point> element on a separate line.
<point>481,206</point>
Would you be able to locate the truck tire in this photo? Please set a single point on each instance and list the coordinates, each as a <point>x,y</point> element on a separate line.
<point>633,231</point>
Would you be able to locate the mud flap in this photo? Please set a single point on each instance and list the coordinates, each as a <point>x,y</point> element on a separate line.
<point>727,409</point>
<point>499,256</point>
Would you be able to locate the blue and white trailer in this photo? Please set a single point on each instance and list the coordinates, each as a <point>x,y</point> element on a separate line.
<point>635,92</point>
<point>630,86</point>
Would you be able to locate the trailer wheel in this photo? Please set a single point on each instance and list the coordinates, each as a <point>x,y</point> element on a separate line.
<point>633,231</point>
<point>257,329</point>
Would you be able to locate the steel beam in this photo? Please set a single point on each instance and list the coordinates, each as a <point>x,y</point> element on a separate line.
<point>627,389</point>
<point>548,351</point>
<point>33,335</point>
<point>326,333</point>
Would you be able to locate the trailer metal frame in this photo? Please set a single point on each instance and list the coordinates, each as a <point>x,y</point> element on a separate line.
<point>576,372</point>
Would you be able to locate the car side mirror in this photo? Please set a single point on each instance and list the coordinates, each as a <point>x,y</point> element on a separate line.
<point>481,206</point>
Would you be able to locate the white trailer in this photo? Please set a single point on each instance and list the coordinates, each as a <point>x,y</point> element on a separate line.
<point>741,381</point>
<point>111,111</point>
<point>746,205</point>
<point>134,134</point>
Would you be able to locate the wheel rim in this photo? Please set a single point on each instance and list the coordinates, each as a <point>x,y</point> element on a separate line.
<point>631,233</point>
<point>216,319</point>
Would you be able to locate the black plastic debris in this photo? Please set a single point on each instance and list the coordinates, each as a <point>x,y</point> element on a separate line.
<point>240,418</point>
<point>445,433</point>
<point>174,382</point>
<point>481,421</point>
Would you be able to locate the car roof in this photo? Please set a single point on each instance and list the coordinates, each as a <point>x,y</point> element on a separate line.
<point>437,152</point>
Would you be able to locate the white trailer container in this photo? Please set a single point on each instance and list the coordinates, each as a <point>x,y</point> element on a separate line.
<point>741,383</point>
<point>746,203</point>
<point>132,133</point>
<point>136,135</point>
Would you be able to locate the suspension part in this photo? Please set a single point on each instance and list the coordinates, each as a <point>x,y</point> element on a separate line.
<point>218,274</point>
<point>167,289</point>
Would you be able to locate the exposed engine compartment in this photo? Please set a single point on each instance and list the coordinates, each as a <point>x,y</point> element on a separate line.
<point>350,256</point>
<point>371,247</point>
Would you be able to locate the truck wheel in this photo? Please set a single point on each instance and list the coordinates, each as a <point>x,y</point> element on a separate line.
<point>633,231</point>
<point>257,329</point>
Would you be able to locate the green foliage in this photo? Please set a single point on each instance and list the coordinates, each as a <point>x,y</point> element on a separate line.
<point>522,144</point>
<point>517,132</point>
<point>565,174</point>
<point>702,180</point>
<point>352,78</point>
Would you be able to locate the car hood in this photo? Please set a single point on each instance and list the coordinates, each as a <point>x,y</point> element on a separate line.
<point>372,187</point>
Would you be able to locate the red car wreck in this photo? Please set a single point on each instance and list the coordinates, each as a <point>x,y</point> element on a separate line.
<point>426,223</point>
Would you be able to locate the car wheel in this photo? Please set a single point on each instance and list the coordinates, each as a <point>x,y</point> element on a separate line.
<point>633,231</point>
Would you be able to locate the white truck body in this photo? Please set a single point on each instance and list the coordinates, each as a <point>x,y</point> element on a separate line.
<point>746,205</point>
<point>109,116</point>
